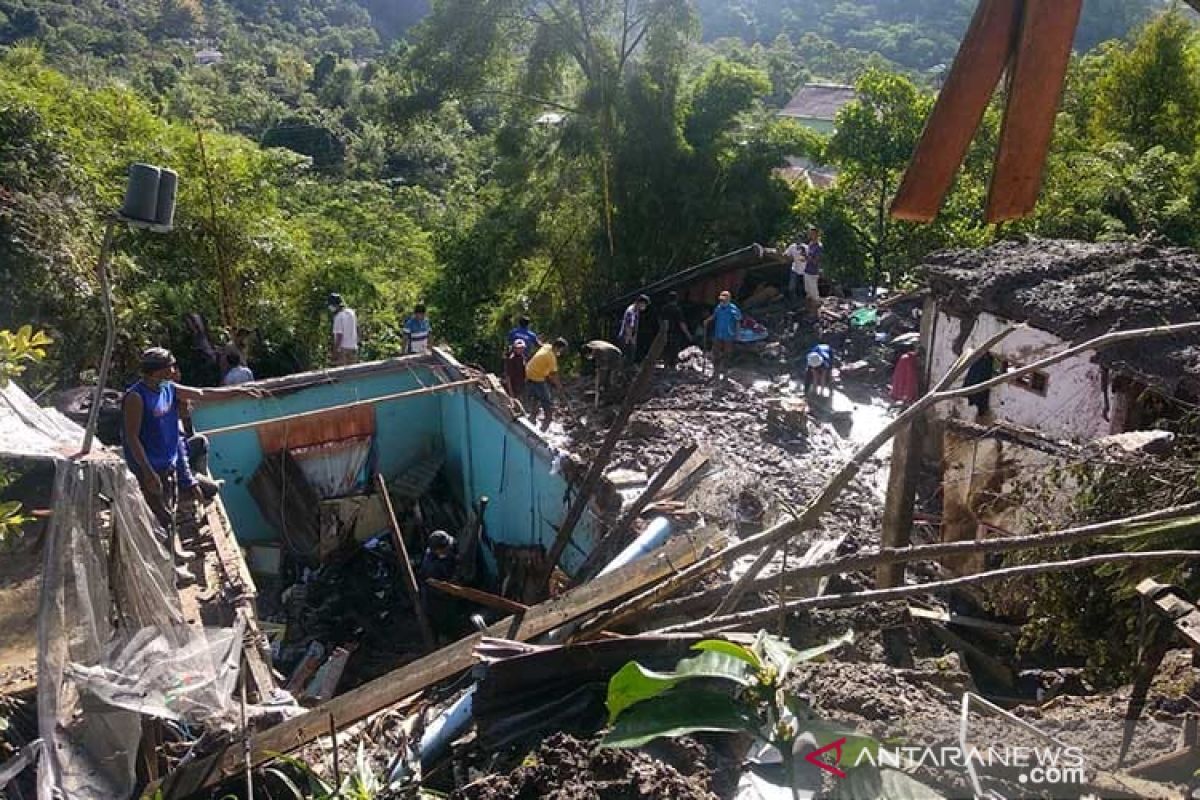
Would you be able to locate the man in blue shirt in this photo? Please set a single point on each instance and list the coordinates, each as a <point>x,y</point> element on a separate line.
<point>522,332</point>
<point>416,331</point>
<point>155,451</point>
<point>818,369</point>
<point>725,319</point>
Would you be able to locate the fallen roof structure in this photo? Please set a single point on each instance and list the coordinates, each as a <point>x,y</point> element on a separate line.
<point>732,266</point>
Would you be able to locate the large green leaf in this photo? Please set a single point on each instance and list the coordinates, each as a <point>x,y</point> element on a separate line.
<point>635,684</point>
<point>679,713</point>
<point>730,649</point>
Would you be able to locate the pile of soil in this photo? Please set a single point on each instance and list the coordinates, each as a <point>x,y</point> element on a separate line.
<point>566,768</point>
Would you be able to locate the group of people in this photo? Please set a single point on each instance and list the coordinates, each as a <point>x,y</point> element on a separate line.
<point>531,369</point>
<point>417,332</point>
<point>806,269</point>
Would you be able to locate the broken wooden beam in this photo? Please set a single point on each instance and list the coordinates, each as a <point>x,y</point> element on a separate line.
<point>961,104</point>
<point>390,689</point>
<point>1034,89</point>
<point>602,550</point>
<point>600,460</point>
<point>406,570</point>
<point>478,596</point>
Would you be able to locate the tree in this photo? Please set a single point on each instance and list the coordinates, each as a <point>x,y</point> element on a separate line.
<point>876,135</point>
<point>1150,94</point>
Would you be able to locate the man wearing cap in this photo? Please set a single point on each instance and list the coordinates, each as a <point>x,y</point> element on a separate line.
<point>818,369</point>
<point>630,322</point>
<point>514,369</point>
<point>438,563</point>
<point>154,449</point>
<point>345,331</point>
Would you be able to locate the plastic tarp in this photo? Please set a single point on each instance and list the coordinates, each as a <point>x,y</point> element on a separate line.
<point>29,431</point>
<point>113,643</point>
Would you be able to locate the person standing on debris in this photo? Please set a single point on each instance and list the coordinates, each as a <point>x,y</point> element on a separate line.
<point>154,448</point>
<point>238,372</point>
<point>818,369</point>
<point>812,270</point>
<point>514,369</point>
<point>345,331</point>
<point>606,359</point>
<point>797,251</point>
<point>725,319</point>
<point>438,563</point>
<point>678,335</point>
<point>416,331</point>
<point>630,323</point>
<point>523,333</point>
<point>540,372</point>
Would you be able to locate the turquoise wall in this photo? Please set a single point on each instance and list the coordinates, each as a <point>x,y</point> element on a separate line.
<point>405,430</point>
<point>485,455</point>
<point>507,462</point>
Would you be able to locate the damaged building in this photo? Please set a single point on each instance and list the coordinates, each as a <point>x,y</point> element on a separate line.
<point>1055,294</point>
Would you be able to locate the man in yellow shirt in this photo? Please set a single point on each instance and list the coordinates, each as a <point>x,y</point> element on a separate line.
<point>540,372</point>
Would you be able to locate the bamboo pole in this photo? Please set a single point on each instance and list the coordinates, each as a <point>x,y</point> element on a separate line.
<point>406,570</point>
<point>763,615</point>
<point>1187,517</point>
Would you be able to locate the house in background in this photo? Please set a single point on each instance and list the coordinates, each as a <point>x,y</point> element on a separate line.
<point>998,445</point>
<point>816,105</point>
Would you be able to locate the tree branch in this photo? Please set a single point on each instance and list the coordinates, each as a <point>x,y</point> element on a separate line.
<point>761,615</point>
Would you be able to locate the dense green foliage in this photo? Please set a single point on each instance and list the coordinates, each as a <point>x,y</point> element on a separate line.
<point>508,156</point>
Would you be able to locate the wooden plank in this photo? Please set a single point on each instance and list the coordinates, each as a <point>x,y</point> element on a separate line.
<point>1035,87</point>
<point>406,570</point>
<point>428,670</point>
<point>959,109</point>
<point>243,426</point>
<point>477,596</point>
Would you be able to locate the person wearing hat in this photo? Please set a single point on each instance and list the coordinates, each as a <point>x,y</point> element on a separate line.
<point>345,331</point>
<point>438,563</point>
<point>818,369</point>
<point>514,369</point>
<point>631,321</point>
<point>154,450</point>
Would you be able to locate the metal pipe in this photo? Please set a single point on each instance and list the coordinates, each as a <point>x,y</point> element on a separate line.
<point>654,537</point>
<point>448,726</point>
<point>110,334</point>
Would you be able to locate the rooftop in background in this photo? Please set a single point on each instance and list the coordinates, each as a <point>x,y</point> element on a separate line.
<point>818,103</point>
<point>1078,291</point>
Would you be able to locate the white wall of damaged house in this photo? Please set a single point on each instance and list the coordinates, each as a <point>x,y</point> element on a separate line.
<point>1072,406</point>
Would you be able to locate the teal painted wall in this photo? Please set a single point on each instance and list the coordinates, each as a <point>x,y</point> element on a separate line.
<point>485,455</point>
<point>405,429</point>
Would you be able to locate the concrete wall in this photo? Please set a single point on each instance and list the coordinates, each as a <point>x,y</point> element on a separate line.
<point>1073,407</point>
<point>486,454</point>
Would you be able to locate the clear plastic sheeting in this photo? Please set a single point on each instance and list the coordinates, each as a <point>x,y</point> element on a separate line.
<point>112,638</point>
<point>29,431</point>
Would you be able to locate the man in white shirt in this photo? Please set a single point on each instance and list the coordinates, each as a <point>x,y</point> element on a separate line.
<point>345,332</point>
<point>238,372</point>
<point>798,253</point>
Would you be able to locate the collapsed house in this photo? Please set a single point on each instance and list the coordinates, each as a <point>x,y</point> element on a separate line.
<point>1056,293</point>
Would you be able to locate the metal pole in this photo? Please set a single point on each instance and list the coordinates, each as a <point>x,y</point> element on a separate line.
<point>110,333</point>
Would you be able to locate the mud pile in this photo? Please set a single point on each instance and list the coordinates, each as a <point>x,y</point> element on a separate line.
<point>566,768</point>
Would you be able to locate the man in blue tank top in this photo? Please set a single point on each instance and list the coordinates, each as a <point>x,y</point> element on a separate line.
<point>154,449</point>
